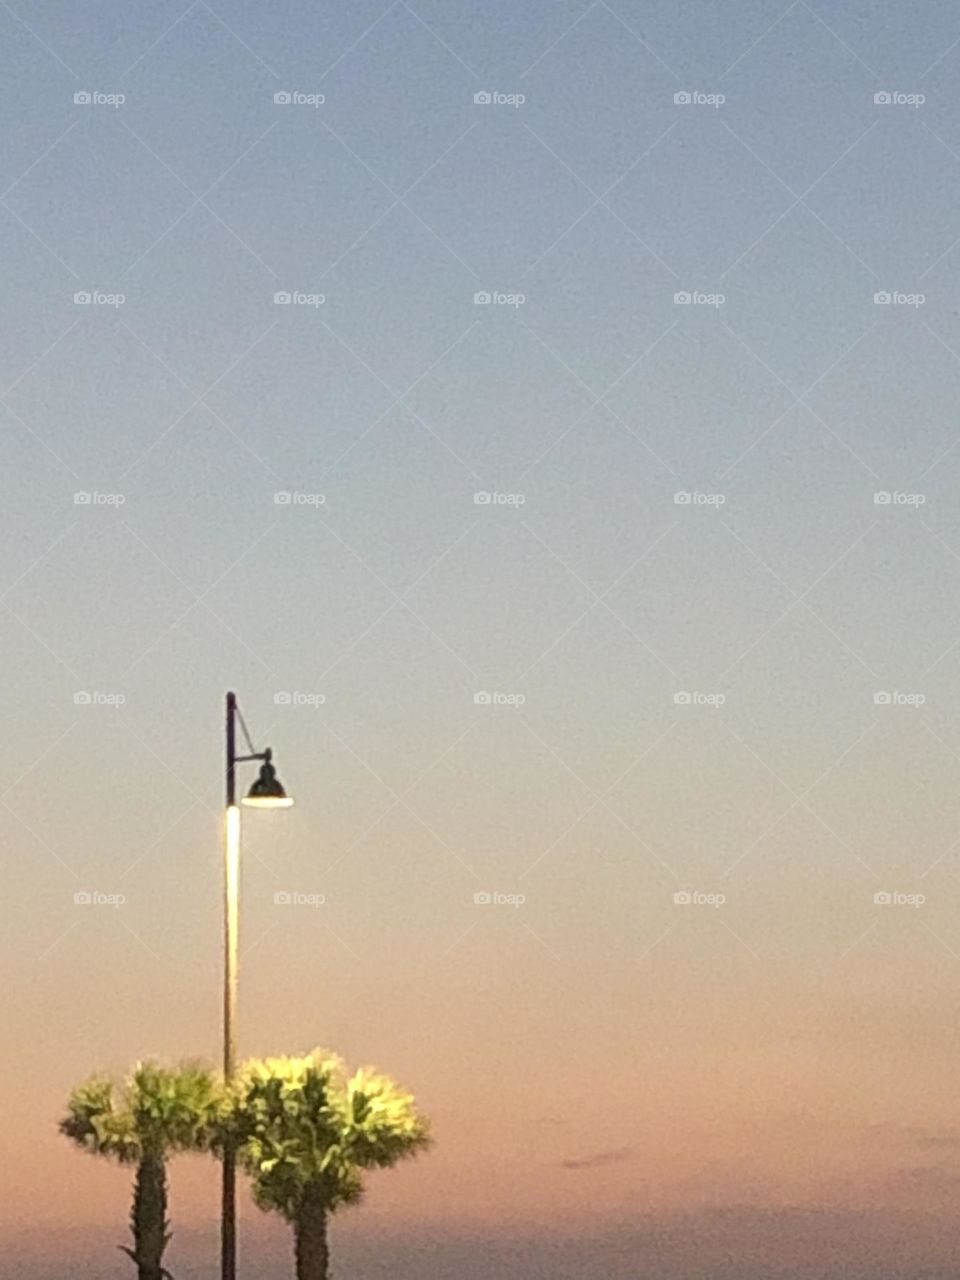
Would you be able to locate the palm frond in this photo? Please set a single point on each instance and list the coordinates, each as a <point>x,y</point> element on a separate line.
<point>301,1123</point>
<point>157,1109</point>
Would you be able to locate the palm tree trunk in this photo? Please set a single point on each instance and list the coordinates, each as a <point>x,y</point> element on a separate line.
<point>148,1219</point>
<point>313,1255</point>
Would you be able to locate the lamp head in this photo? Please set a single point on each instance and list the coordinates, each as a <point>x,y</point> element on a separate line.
<point>267,792</point>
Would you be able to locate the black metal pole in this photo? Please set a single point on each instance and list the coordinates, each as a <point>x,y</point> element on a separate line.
<point>231,747</point>
<point>228,1214</point>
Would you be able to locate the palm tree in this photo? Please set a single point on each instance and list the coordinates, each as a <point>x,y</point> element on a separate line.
<point>157,1111</point>
<point>306,1132</point>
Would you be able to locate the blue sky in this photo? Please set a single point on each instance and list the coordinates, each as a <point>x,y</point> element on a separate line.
<point>208,488</point>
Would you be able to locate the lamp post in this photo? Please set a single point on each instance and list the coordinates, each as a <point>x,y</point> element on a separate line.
<point>266,793</point>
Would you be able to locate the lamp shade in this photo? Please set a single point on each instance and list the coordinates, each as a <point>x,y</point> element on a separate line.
<point>267,792</point>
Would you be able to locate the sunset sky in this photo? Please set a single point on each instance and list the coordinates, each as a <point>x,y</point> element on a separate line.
<point>638,580</point>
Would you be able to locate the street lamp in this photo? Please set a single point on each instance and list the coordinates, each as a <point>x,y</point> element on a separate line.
<point>266,793</point>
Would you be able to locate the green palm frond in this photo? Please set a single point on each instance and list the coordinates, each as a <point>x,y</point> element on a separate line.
<point>303,1123</point>
<point>157,1109</point>
<point>381,1124</point>
<point>174,1108</point>
<point>99,1122</point>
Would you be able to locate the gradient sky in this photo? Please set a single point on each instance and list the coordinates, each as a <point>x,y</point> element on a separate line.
<point>620,1084</point>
